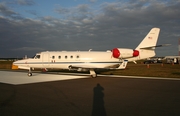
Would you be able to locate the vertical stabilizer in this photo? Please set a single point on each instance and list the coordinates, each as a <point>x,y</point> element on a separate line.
<point>147,46</point>
<point>150,40</point>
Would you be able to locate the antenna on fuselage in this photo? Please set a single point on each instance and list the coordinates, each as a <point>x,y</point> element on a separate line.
<point>25,57</point>
<point>90,50</point>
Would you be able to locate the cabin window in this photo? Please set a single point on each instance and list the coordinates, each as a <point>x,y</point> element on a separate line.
<point>59,57</point>
<point>71,56</point>
<point>53,57</point>
<point>77,56</point>
<point>37,57</point>
<point>66,57</point>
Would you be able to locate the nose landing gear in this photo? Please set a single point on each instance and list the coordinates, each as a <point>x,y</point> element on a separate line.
<point>30,72</point>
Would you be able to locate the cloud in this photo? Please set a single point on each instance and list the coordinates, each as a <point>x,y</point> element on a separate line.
<point>93,1</point>
<point>4,10</point>
<point>115,24</point>
<point>28,49</point>
<point>82,8</point>
<point>33,12</point>
<point>25,2</point>
<point>135,13</point>
<point>74,12</point>
<point>62,10</point>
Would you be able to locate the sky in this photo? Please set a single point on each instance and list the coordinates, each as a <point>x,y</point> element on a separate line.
<point>31,26</point>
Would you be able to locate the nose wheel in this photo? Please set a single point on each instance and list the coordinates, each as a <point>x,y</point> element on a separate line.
<point>29,73</point>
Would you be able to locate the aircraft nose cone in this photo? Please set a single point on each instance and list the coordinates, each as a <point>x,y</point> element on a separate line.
<point>17,62</point>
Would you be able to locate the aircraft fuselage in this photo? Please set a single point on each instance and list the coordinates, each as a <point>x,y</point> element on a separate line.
<point>63,59</point>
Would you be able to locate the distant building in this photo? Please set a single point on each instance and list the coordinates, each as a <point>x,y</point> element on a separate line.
<point>173,59</point>
<point>179,46</point>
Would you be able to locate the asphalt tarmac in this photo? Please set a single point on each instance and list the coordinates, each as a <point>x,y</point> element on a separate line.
<point>101,96</point>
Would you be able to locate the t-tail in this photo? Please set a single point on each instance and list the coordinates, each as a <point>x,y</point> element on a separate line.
<point>145,49</point>
<point>147,46</point>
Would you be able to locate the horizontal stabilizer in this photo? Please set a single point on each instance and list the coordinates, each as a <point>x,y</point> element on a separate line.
<point>153,47</point>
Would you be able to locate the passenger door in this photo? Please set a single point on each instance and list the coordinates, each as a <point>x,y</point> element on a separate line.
<point>45,59</point>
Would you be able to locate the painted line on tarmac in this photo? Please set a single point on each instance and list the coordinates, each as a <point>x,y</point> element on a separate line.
<point>16,78</point>
<point>140,77</point>
<point>120,76</point>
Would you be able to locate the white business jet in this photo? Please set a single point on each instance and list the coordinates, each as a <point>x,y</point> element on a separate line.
<point>117,58</point>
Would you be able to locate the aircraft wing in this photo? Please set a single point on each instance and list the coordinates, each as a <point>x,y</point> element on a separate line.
<point>121,65</point>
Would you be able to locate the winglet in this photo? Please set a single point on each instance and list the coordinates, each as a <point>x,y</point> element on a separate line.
<point>123,64</point>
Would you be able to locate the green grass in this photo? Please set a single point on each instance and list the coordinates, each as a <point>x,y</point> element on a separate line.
<point>154,70</point>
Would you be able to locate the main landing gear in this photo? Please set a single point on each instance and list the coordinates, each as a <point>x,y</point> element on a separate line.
<point>92,73</point>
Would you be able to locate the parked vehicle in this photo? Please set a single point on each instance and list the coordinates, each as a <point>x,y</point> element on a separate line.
<point>152,61</point>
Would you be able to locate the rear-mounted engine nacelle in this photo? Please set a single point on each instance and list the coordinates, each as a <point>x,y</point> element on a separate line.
<point>124,53</point>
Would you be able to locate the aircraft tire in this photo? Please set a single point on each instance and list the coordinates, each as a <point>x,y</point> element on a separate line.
<point>94,76</point>
<point>29,74</point>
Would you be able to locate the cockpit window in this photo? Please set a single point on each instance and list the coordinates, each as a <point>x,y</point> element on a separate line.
<point>37,57</point>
